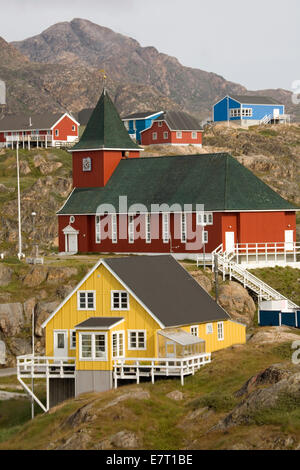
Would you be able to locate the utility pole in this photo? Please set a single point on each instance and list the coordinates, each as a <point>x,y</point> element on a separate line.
<point>20,254</point>
<point>216,269</point>
<point>32,369</point>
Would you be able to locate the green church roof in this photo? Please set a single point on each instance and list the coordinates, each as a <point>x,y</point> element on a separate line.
<point>105,129</point>
<point>218,181</point>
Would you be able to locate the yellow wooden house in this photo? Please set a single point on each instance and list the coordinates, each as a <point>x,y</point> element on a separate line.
<point>130,317</point>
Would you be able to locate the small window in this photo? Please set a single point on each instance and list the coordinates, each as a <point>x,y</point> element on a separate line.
<point>220,331</point>
<point>209,328</point>
<point>98,229</point>
<point>93,346</point>
<point>183,227</point>
<point>179,135</point>
<point>56,132</point>
<point>194,330</point>
<point>131,229</point>
<point>194,135</point>
<point>166,230</point>
<point>200,218</point>
<point>118,344</point>
<point>86,300</point>
<point>114,229</point>
<point>160,123</point>
<point>148,227</point>
<point>119,300</point>
<point>154,135</point>
<point>136,339</point>
<point>73,128</point>
<point>72,339</point>
<point>204,236</point>
<point>166,135</point>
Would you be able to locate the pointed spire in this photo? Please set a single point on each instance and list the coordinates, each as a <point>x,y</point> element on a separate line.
<point>105,129</point>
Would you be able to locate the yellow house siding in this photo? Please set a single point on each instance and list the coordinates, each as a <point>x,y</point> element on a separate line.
<point>234,333</point>
<point>136,318</point>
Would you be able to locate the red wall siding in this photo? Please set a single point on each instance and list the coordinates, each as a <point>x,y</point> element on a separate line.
<point>146,136</point>
<point>266,226</point>
<point>2,138</point>
<point>65,129</point>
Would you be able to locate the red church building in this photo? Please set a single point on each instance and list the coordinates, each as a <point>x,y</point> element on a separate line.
<point>185,205</point>
<point>173,128</point>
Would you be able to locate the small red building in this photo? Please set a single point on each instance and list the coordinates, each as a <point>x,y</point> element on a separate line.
<point>40,130</point>
<point>185,205</point>
<point>173,128</point>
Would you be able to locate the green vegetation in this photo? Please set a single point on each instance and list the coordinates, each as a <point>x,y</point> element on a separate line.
<point>285,280</point>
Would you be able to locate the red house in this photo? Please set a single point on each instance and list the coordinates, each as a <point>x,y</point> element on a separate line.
<point>173,128</point>
<point>185,205</point>
<point>40,130</point>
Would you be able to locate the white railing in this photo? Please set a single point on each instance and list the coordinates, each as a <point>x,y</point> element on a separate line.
<point>26,138</point>
<point>266,119</point>
<point>228,267</point>
<point>44,366</point>
<point>278,251</point>
<point>134,368</point>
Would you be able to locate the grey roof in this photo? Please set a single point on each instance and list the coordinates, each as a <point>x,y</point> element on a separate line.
<point>141,115</point>
<point>167,289</point>
<point>180,121</point>
<point>21,122</point>
<point>99,322</point>
<point>255,99</point>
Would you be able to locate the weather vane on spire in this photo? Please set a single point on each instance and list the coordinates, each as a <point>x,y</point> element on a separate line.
<point>104,77</point>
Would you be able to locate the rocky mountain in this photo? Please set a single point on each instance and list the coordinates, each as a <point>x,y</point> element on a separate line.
<point>66,59</point>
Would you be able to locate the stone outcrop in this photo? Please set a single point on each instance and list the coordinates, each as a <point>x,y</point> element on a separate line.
<point>274,334</point>
<point>236,300</point>
<point>36,276</point>
<point>11,319</point>
<point>5,275</point>
<point>43,310</point>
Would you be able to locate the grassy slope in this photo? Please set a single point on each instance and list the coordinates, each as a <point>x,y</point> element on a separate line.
<point>162,423</point>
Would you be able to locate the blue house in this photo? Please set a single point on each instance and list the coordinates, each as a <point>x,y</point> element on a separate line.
<point>137,122</point>
<point>249,110</point>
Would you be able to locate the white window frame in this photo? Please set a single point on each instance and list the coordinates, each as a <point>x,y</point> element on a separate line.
<point>73,128</point>
<point>195,329</point>
<point>159,123</point>
<point>118,334</point>
<point>98,229</point>
<point>183,227</point>
<point>130,228</point>
<point>166,227</point>
<point>137,348</point>
<point>166,135</point>
<point>209,328</point>
<point>194,135</point>
<point>56,132</point>
<point>154,135</point>
<point>148,228</point>
<point>93,357</point>
<point>72,347</point>
<point>114,228</point>
<point>205,236</point>
<point>86,302</point>
<point>178,135</point>
<point>112,300</point>
<point>65,332</point>
<point>220,329</point>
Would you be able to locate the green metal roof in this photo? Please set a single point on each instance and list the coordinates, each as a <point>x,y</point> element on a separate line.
<point>105,129</point>
<point>218,181</point>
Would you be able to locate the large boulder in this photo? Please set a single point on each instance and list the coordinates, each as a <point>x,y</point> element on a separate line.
<point>11,319</point>
<point>49,167</point>
<point>271,375</point>
<point>274,334</point>
<point>5,275</point>
<point>36,276</point>
<point>236,300</point>
<point>20,346</point>
<point>43,311</point>
<point>203,280</point>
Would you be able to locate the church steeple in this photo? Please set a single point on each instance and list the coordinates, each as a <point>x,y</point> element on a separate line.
<point>105,129</point>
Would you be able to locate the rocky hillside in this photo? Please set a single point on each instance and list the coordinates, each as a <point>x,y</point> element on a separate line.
<point>63,63</point>
<point>246,399</point>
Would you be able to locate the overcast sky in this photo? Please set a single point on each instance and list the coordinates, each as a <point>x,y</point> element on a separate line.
<point>255,43</point>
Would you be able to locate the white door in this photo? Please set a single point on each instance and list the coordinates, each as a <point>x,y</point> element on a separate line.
<point>276,113</point>
<point>170,349</point>
<point>289,240</point>
<point>229,242</point>
<point>72,243</point>
<point>60,343</point>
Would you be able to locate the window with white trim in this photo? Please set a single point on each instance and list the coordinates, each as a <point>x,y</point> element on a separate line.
<point>166,135</point>
<point>93,346</point>
<point>194,135</point>
<point>98,229</point>
<point>179,135</point>
<point>236,112</point>
<point>209,328</point>
<point>183,227</point>
<point>154,135</point>
<point>194,330</point>
<point>86,300</point>
<point>205,236</point>
<point>56,132</point>
<point>118,344</point>
<point>166,230</point>
<point>247,112</point>
<point>159,123</point>
<point>205,218</point>
<point>73,128</point>
<point>148,227</point>
<point>130,228</point>
<point>119,300</point>
<point>220,331</point>
<point>72,339</point>
<point>136,339</point>
<point>114,229</point>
